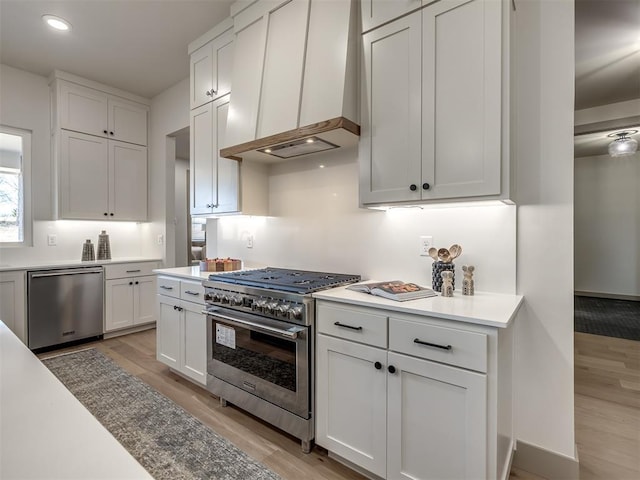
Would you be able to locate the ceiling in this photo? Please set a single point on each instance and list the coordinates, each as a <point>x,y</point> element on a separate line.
<point>136,45</point>
<point>141,45</point>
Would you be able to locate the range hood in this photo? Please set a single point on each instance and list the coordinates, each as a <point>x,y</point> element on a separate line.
<point>294,79</point>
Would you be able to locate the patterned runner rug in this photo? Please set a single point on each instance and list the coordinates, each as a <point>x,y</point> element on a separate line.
<point>167,441</point>
<point>608,317</point>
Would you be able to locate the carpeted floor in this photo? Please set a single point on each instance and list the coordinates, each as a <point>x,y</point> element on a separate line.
<point>608,317</point>
<point>167,441</point>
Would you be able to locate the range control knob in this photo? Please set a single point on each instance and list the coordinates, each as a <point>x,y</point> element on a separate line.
<point>270,307</point>
<point>295,313</point>
<point>236,300</point>
<point>224,299</point>
<point>258,305</point>
<point>281,310</point>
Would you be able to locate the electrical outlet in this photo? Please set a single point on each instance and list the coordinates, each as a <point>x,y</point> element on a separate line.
<point>52,239</point>
<point>160,239</point>
<point>426,242</point>
<point>249,241</point>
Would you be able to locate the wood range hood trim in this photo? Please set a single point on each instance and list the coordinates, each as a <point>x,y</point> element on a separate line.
<point>236,152</point>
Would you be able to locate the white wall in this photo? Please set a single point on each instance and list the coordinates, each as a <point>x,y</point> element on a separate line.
<point>25,104</point>
<point>607,225</point>
<point>182,255</point>
<point>169,113</point>
<point>317,225</point>
<point>543,141</point>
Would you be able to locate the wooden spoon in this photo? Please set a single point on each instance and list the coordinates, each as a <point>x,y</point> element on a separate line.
<point>444,255</point>
<point>455,251</point>
<point>433,253</point>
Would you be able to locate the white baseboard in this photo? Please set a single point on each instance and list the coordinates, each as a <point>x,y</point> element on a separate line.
<point>545,463</point>
<point>613,296</point>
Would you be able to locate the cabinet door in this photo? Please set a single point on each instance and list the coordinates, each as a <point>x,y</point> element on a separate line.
<point>144,299</point>
<point>83,176</point>
<point>227,171</point>
<point>437,426</point>
<point>168,332</point>
<point>127,181</point>
<point>12,302</point>
<point>127,121</point>
<point>203,165</point>
<point>119,304</point>
<point>351,402</point>
<point>82,109</point>
<point>461,98</point>
<point>390,148</point>
<point>211,68</point>
<point>377,12</point>
<point>283,68</point>
<point>194,342</point>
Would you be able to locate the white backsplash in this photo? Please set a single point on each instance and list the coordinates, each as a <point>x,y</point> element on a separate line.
<point>127,239</point>
<point>317,225</point>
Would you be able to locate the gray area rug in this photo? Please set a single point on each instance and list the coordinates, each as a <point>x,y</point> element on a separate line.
<point>167,441</point>
<point>608,317</point>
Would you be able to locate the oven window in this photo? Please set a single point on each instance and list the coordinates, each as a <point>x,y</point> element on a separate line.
<point>269,358</point>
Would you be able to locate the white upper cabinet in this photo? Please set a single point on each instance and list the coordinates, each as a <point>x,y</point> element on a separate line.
<point>432,106</point>
<point>101,179</point>
<point>377,12</point>
<point>87,110</point>
<point>211,70</point>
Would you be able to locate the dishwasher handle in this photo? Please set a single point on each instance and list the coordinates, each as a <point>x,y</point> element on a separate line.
<point>56,273</point>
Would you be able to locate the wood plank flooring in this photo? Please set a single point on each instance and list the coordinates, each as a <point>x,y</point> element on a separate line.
<point>607,410</point>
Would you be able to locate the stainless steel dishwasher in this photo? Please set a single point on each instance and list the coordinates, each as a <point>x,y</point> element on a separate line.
<point>64,305</point>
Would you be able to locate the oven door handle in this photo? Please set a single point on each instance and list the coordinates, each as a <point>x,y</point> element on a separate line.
<point>291,333</point>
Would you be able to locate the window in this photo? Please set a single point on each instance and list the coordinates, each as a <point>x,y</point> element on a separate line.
<point>15,183</point>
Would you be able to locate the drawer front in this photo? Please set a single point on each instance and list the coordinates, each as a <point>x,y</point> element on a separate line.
<point>359,325</point>
<point>192,291</point>
<point>433,342</point>
<point>124,270</point>
<point>169,286</point>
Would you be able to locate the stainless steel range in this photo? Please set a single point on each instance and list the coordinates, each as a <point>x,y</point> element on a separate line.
<point>260,343</point>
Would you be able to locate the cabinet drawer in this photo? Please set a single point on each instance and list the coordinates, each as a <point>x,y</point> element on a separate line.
<point>442,344</point>
<point>192,291</point>
<point>169,287</point>
<point>124,270</point>
<point>355,324</point>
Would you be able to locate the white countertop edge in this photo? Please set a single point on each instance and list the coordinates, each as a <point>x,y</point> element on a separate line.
<point>194,272</point>
<point>51,264</point>
<point>46,432</point>
<point>489,309</point>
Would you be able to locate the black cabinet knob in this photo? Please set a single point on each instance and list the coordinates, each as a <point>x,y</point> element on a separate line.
<point>391,369</point>
<point>413,187</point>
<point>106,214</point>
<point>426,186</point>
<point>110,133</point>
<point>104,131</point>
<point>378,365</point>
<point>137,283</point>
<point>130,283</point>
<point>111,214</point>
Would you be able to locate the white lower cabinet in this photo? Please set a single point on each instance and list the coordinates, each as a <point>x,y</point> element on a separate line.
<point>129,295</point>
<point>12,302</point>
<point>182,327</point>
<point>404,408</point>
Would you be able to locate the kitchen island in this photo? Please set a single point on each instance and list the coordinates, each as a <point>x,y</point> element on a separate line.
<point>45,432</point>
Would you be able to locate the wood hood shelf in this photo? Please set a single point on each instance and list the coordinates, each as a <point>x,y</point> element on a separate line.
<point>339,132</point>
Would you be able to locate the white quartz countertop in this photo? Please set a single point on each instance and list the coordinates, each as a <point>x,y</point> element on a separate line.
<point>491,309</point>
<point>46,432</point>
<point>194,273</point>
<point>49,264</point>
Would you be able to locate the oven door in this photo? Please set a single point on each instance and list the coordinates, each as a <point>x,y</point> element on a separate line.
<point>267,358</point>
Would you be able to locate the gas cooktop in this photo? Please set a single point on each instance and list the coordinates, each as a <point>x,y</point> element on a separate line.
<point>286,280</point>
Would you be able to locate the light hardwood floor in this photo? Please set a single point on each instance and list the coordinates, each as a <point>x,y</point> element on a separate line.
<point>607,410</point>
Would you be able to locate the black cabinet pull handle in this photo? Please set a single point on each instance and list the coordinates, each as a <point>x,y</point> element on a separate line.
<point>164,287</point>
<point>435,345</point>
<point>378,365</point>
<point>391,369</point>
<point>413,187</point>
<point>347,326</point>
<point>426,186</point>
<point>191,293</point>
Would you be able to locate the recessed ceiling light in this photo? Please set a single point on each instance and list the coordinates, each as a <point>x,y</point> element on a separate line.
<point>56,22</point>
